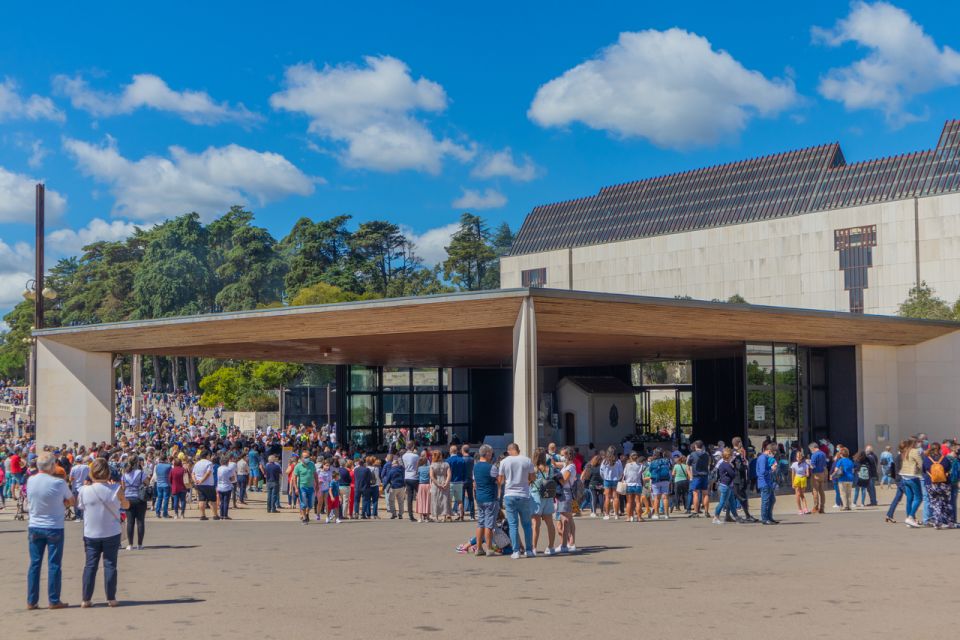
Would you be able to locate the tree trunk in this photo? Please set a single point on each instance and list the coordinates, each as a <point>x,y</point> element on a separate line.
<point>191,364</point>
<point>157,380</point>
<point>174,374</point>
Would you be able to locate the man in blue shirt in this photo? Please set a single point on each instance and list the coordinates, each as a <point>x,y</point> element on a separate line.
<point>271,473</point>
<point>487,492</point>
<point>843,474</point>
<point>766,465</point>
<point>818,476</point>
<point>458,468</point>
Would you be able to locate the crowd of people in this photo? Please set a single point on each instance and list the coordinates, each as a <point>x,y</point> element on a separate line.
<point>175,456</point>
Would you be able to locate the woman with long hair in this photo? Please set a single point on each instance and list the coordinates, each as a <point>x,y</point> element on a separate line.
<point>936,475</point>
<point>131,482</point>
<point>632,475</point>
<point>681,484</point>
<point>440,474</point>
<point>423,488</point>
<point>543,506</point>
<point>911,473</point>
<point>611,470</point>
<point>568,529</point>
<point>593,481</point>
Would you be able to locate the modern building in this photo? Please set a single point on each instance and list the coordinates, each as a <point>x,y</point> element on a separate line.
<point>593,337</point>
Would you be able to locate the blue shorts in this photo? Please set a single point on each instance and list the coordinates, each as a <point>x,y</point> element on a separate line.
<point>634,490</point>
<point>487,514</point>
<point>306,497</point>
<point>542,506</point>
<point>254,472</point>
<point>609,484</point>
<point>699,483</point>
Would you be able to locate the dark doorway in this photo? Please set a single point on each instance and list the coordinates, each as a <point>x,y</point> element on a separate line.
<point>570,427</point>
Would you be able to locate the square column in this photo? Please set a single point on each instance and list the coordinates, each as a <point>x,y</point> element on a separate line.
<point>74,395</point>
<point>525,393</point>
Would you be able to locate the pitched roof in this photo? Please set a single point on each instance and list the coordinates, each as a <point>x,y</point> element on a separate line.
<point>785,184</point>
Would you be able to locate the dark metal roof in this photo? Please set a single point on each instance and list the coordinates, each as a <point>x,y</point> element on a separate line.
<point>776,186</point>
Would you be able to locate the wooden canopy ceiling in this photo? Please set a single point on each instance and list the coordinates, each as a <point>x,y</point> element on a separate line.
<point>476,329</point>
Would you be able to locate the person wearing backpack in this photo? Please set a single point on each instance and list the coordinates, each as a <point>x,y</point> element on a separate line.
<point>543,491</point>
<point>863,480</point>
<point>660,473</point>
<point>936,476</point>
<point>565,498</point>
<point>844,474</point>
<point>611,470</point>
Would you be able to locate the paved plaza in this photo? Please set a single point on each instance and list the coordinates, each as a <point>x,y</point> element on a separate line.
<point>254,578</point>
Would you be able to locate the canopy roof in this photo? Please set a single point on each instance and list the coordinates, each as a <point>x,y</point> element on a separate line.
<point>476,329</point>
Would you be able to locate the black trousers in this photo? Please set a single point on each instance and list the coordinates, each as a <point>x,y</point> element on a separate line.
<point>136,515</point>
<point>412,487</point>
<point>95,549</point>
<point>740,493</point>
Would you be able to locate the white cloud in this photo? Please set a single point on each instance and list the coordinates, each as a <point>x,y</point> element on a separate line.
<point>474,200</point>
<point>72,241</point>
<point>432,244</point>
<point>371,112</point>
<point>18,198</point>
<point>16,264</point>
<point>15,107</point>
<point>501,164</point>
<point>208,182</point>
<point>670,87</point>
<point>152,92</point>
<point>37,154</point>
<point>903,61</point>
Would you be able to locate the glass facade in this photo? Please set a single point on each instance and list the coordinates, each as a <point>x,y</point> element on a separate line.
<point>390,404</point>
<point>773,393</point>
<point>664,399</point>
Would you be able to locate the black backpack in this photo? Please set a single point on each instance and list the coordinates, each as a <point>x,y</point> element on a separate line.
<point>547,486</point>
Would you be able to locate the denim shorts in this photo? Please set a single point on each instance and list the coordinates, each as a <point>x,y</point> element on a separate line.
<point>542,506</point>
<point>487,514</point>
<point>661,488</point>
<point>456,492</point>
<point>609,484</point>
<point>634,489</point>
<point>306,497</point>
<point>699,483</point>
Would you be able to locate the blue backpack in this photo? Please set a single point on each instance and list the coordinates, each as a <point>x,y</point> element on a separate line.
<point>660,470</point>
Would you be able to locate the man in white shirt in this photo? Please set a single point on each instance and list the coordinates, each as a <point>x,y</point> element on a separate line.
<point>410,460</point>
<point>516,474</point>
<point>47,495</point>
<point>203,480</point>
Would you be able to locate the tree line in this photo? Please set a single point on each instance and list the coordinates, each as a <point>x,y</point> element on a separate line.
<point>186,267</point>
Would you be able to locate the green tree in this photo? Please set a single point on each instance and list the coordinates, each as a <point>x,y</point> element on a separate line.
<point>315,252</point>
<point>245,261</point>
<point>383,252</point>
<point>737,299</point>
<point>922,302</point>
<point>322,293</point>
<point>471,259</point>
<point>14,352</point>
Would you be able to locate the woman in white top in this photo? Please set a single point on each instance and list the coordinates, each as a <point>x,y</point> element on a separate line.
<point>567,529</point>
<point>633,476</point>
<point>611,470</point>
<point>101,502</point>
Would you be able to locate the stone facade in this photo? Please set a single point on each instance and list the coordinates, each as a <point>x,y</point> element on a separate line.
<point>790,262</point>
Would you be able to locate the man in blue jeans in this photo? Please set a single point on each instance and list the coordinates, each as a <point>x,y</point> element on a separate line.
<point>48,496</point>
<point>515,475</point>
<point>766,466</point>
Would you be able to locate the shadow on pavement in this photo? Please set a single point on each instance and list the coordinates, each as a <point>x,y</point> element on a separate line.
<point>148,603</point>
<point>170,546</point>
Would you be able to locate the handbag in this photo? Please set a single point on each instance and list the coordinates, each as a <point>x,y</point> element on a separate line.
<point>622,487</point>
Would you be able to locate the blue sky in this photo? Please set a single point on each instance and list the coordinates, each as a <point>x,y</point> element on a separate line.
<point>416,113</point>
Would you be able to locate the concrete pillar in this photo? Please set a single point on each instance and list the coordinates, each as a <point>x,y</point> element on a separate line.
<point>525,393</point>
<point>137,384</point>
<point>74,395</point>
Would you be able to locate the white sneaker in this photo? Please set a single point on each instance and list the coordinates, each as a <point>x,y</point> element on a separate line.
<point>616,517</point>
<point>593,515</point>
<point>836,506</point>
<point>530,554</point>
<point>572,548</point>
<point>606,517</point>
<point>515,555</point>
<point>717,521</point>
<point>549,552</point>
<point>129,547</point>
<point>910,522</point>
<point>654,517</point>
<point>666,517</point>
<point>337,521</point>
<point>560,549</point>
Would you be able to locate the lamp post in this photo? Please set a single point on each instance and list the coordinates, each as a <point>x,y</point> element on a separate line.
<point>34,290</point>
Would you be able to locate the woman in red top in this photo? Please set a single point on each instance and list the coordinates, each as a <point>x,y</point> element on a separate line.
<point>353,487</point>
<point>178,490</point>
